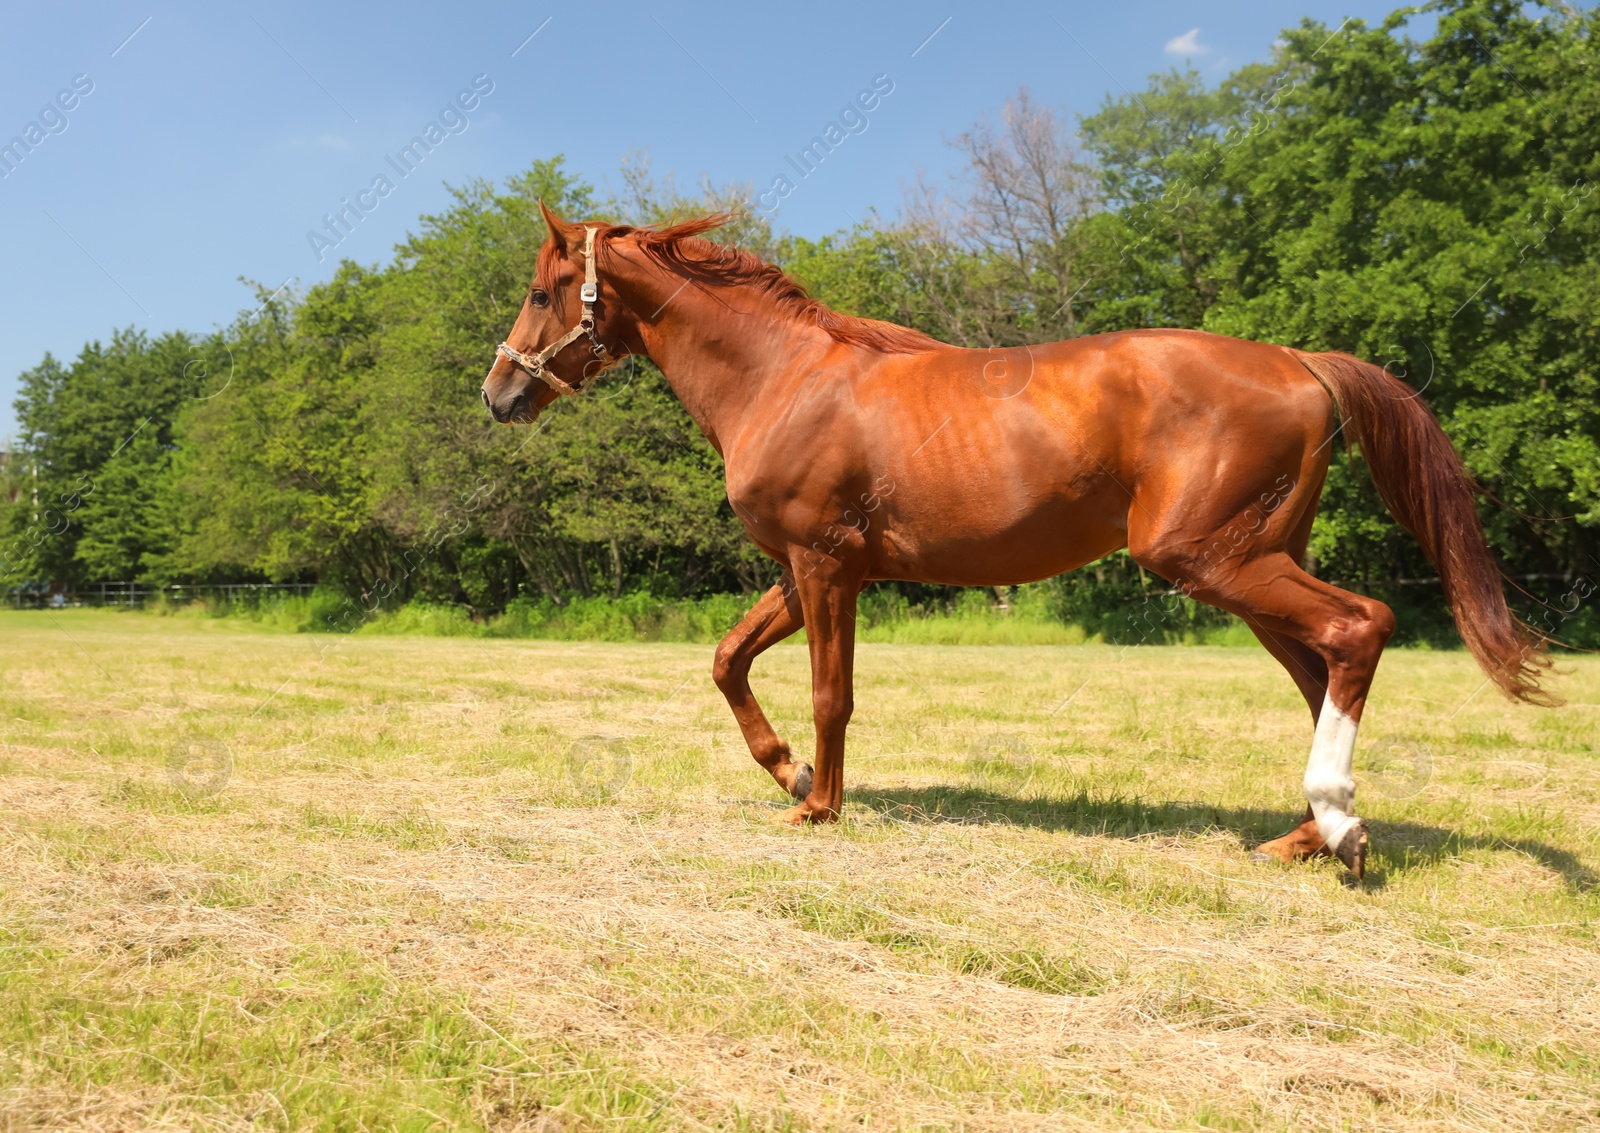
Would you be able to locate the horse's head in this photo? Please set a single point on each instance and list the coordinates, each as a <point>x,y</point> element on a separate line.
<point>556,345</point>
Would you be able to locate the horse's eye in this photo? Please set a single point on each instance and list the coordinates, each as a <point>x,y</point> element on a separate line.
<point>538,298</point>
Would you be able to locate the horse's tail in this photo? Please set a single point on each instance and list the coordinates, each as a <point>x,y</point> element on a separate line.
<point>1426,487</point>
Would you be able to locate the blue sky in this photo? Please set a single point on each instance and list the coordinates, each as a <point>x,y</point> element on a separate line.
<point>217,136</point>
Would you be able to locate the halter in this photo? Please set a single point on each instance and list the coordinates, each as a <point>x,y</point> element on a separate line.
<point>534,364</point>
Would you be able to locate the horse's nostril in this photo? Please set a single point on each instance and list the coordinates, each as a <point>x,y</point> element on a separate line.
<point>485,395</point>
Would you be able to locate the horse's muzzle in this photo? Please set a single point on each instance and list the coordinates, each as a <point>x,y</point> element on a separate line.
<point>509,407</point>
<point>515,410</point>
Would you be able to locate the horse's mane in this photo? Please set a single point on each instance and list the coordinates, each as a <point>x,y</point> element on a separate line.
<point>679,248</point>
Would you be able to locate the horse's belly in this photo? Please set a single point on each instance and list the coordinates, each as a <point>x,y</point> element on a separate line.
<point>974,543</point>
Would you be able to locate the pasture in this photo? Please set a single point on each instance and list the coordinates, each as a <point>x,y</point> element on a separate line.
<point>423,899</point>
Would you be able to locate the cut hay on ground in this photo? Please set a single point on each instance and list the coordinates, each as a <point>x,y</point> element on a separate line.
<point>417,903</point>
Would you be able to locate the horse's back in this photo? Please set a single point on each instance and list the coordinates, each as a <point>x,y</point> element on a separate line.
<point>1037,454</point>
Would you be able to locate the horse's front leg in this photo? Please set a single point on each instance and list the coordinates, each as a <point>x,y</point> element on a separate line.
<point>773,618</point>
<point>828,588</point>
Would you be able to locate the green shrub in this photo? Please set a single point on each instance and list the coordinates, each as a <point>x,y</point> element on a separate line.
<point>633,617</point>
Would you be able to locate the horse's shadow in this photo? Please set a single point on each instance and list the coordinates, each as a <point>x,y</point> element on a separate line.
<point>1403,846</point>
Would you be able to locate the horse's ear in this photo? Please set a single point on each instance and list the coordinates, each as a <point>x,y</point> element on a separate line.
<point>560,231</point>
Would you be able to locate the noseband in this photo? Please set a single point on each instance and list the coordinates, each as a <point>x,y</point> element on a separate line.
<point>534,364</point>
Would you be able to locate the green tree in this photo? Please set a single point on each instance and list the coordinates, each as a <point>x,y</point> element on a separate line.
<point>1428,206</point>
<point>1431,206</point>
<point>352,444</point>
<point>96,439</point>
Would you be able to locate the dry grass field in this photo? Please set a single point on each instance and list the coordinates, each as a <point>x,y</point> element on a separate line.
<point>423,898</point>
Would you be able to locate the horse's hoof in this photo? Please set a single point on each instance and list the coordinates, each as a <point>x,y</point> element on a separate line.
<point>796,815</point>
<point>802,781</point>
<point>803,814</point>
<point>1353,849</point>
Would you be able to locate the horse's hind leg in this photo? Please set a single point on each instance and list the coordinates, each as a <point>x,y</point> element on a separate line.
<point>1347,632</point>
<point>1304,665</point>
<point>776,616</point>
<point>1310,674</point>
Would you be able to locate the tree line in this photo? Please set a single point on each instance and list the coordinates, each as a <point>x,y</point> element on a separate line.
<point>1428,205</point>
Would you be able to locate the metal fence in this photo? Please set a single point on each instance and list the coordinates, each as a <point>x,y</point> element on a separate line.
<point>134,594</point>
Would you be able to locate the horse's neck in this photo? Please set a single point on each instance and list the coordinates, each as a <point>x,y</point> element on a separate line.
<point>719,347</point>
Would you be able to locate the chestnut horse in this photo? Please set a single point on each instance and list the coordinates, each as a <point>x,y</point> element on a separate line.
<point>858,450</point>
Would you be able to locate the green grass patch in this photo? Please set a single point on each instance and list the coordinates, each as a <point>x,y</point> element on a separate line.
<point>320,1041</point>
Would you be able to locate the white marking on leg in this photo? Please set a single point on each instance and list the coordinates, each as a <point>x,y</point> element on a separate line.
<point>1330,789</point>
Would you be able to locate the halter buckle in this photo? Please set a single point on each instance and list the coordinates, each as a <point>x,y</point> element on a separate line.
<point>589,292</point>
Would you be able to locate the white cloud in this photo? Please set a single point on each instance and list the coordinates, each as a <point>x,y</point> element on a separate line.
<point>1186,44</point>
<point>332,141</point>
